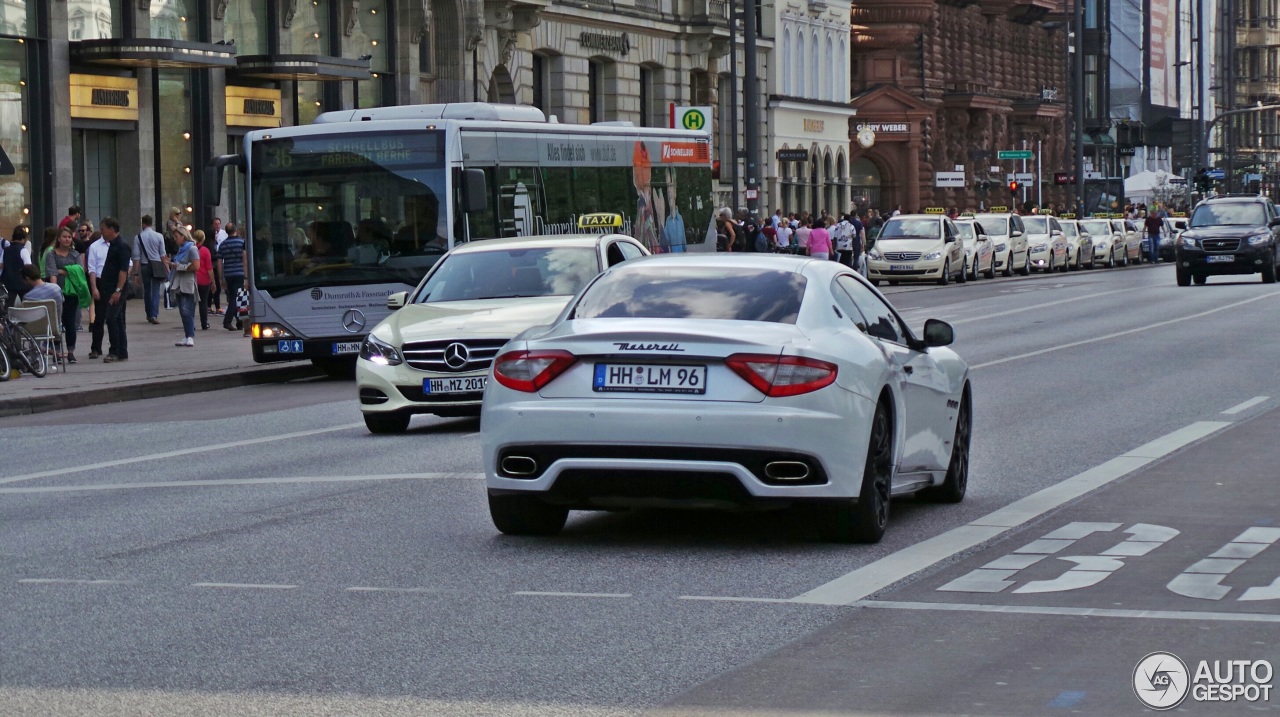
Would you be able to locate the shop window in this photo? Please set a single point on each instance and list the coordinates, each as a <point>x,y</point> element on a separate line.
<point>15,189</point>
<point>646,96</point>
<point>309,96</point>
<point>173,143</point>
<point>369,38</point>
<point>174,20</point>
<point>247,23</point>
<point>308,34</point>
<point>92,19</point>
<point>595,92</point>
<point>540,80</point>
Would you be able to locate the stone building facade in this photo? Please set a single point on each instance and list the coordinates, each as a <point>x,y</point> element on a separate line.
<point>943,87</point>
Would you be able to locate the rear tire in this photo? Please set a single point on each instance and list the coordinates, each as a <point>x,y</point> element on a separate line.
<point>526,515</point>
<point>1026,264</point>
<point>1008,265</point>
<point>1111,260</point>
<point>383,424</point>
<point>963,276</point>
<point>956,483</point>
<point>991,269</point>
<point>864,520</point>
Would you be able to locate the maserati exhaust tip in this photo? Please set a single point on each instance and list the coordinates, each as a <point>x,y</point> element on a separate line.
<point>519,466</point>
<point>786,470</point>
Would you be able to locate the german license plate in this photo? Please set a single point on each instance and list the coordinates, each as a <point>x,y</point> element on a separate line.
<point>646,378</point>
<point>286,346</point>
<point>346,347</point>
<point>473,384</point>
<point>1224,259</point>
<point>900,267</point>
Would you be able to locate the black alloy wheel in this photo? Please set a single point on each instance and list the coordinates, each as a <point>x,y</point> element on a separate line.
<point>864,520</point>
<point>956,483</point>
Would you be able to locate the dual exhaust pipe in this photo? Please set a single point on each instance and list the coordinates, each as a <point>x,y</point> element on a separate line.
<point>521,466</point>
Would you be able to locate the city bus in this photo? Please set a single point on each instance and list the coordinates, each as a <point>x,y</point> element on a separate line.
<point>360,204</point>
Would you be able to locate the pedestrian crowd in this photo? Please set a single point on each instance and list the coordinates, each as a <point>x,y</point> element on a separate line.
<point>845,238</point>
<point>91,269</point>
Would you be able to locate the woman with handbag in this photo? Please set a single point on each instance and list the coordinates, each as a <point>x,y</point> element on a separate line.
<point>186,265</point>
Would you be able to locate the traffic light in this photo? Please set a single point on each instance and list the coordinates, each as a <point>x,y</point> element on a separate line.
<point>1013,189</point>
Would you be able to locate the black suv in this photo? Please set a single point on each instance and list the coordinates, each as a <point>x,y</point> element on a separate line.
<point>1235,234</point>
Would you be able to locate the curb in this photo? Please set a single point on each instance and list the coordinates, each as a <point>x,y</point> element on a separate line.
<point>159,389</point>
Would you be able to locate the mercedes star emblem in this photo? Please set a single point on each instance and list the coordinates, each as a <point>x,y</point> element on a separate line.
<point>456,356</point>
<point>353,321</point>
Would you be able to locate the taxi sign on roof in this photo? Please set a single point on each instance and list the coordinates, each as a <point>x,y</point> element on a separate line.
<point>1069,215</point>
<point>600,220</point>
<point>935,210</point>
<point>998,210</point>
<point>1047,212</point>
<point>967,215</point>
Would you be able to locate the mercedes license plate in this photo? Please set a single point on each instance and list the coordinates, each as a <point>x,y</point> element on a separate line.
<point>346,347</point>
<point>900,267</point>
<point>645,378</point>
<point>473,384</point>
<point>1224,258</point>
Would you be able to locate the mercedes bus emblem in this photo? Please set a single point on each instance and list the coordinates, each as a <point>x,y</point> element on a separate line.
<point>456,356</point>
<point>353,321</point>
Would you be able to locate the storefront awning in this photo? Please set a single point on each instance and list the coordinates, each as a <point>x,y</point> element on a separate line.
<point>152,52</point>
<point>302,67</point>
<point>1100,139</point>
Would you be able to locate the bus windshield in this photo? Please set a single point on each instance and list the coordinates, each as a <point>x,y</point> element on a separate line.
<point>344,209</point>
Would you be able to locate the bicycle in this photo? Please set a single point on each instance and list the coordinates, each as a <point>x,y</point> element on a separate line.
<point>18,346</point>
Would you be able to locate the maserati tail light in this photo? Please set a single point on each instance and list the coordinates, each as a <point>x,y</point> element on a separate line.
<point>529,371</point>
<point>778,376</point>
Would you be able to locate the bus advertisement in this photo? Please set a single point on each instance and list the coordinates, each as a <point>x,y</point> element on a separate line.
<point>360,204</point>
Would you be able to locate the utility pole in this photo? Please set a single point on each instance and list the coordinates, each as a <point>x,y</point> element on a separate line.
<point>734,15</point>
<point>751,106</point>
<point>1077,70</point>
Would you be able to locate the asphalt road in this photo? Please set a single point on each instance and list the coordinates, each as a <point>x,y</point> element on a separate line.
<point>256,551</point>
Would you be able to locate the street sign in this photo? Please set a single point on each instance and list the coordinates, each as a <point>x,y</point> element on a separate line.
<point>753,194</point>
<point>1014,154</point>
<point>949,179</point>
<point>1216,174</point>
<point>1024,177</point>
<point>695,118</point>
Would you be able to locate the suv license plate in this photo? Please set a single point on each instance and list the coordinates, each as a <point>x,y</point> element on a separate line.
<point>473,384</point>
<point>1220,259</point>
<point>645,378</point>
<point>346,347</point>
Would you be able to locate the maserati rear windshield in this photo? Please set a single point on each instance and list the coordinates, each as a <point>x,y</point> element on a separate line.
<point>654,291</point>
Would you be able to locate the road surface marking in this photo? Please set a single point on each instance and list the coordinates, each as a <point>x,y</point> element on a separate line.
<point>1118,334</point>
<point>715,598</point>
<point>1203,580</point>
<point>1073,611</point>
<point>586,595</point>
<point>66,581</point>
<point>858,584</point>
<point>393,590</point>
<point>245,586</point>
<point>174,454</point>
<point>1242,407</point>
<point>243,481</point>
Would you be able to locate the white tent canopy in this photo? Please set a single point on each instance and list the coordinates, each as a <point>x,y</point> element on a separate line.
<point>1143,184</point>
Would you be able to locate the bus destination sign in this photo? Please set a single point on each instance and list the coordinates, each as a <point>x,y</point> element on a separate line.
<point>348,151</point>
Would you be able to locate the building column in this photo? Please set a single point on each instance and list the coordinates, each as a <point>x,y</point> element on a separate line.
<point>912,203</point>
<point>58,104</point>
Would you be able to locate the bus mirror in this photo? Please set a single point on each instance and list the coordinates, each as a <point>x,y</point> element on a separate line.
<point>396,300</point>
<point>213,177</point>
<point>475,193</point>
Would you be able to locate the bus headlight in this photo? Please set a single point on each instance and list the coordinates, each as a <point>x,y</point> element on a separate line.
<point>270,331</point>
<point>380,352</point>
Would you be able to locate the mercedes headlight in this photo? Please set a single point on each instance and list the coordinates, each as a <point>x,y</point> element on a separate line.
<point>1101,245</point>
<point>1039,248</point>
<point>931,256</point>
<point>1259,239</point>
<point>874,253</point>
<point>1001,247</point>
<point>380,352</point>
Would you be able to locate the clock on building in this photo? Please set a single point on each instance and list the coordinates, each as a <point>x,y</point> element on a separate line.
<point>866,137</point>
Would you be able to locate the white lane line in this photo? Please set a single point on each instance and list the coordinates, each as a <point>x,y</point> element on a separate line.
<point>67,581</point>
<point>717,598</point>
<point>584,595</point>
<point>245,586</point>
<point>392,590</point>
<point>1074,611</point>
<point>1242,407</point>
<point>243,481</point>
<point>1118,334</point>
<point>857,584</point>
<point>174,454</point>
<point>1045,305</point>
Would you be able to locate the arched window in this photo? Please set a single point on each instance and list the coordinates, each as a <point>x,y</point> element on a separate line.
<point>787,50</point>
<point>797,79</point>
<point>842,81</point>
<point>833,61</point>
<point>813,65</point>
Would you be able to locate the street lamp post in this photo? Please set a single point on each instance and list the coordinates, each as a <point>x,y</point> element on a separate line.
<point>1077,70</point>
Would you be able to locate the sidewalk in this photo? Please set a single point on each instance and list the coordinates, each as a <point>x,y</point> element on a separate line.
<point>220,359</point>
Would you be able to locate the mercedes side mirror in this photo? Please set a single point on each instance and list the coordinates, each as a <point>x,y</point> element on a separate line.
<point>938,333</point>
<point>396,300</point>
<point>1015,233</point>
<point>949,240</point>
